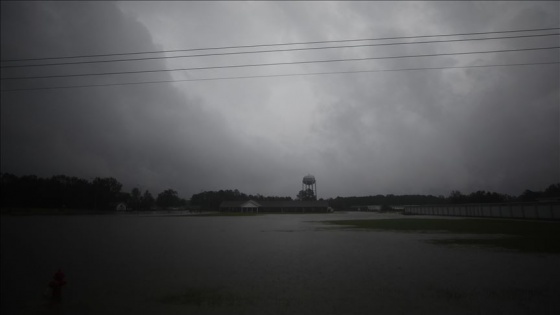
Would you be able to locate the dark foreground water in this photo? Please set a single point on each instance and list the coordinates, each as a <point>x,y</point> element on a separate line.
<point>268,264</point>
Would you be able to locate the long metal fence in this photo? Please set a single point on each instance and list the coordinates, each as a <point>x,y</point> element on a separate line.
<point>544,211</point>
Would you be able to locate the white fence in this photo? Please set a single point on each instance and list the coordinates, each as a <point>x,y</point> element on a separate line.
<point>549,211</point>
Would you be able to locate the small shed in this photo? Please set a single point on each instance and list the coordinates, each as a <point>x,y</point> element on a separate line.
<point>121,206</point>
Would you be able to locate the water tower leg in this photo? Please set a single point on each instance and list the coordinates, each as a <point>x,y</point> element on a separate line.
<point>316,191</point>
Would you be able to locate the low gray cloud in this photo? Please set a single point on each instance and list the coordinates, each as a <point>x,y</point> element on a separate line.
<point>359,134</point>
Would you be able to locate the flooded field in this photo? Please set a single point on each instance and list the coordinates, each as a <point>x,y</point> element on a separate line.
<point>264,264</point>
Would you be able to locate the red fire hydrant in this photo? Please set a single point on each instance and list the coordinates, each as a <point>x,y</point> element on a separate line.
<point>56,285</point>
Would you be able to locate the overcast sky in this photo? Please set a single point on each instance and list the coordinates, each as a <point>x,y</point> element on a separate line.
<point>406,132</point>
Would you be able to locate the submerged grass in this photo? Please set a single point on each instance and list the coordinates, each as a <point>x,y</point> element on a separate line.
<point>524,236</point>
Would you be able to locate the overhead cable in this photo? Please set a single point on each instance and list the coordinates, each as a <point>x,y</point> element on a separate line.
<point>279,44</point>
<point>269,51</point>
<point>278,63</point>
<point>278,75</point>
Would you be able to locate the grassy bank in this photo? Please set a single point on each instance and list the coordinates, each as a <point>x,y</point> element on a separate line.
<point>524,236</point>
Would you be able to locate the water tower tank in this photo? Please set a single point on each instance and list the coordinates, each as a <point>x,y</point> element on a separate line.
<point>309,180</point>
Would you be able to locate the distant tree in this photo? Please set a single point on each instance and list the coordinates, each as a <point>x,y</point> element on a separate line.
<point>529,195</point>
<point>456,197</point>
<point>8,190</point>
<point>147,201</point>
<point>168,198</point>
<point>78,193</point>
<point>306,194</point>
<point>135,198</point>
<point>106,192</point>
<point>124,197</point>
<point>183,202</point>
<point>211,200</point>
<point>552,191</point>
<point>482,196</point>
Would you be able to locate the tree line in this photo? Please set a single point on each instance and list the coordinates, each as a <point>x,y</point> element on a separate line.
<point>455,197</point>
<point>211,200</point>
<point>62,191</point>
<point>65,192</point>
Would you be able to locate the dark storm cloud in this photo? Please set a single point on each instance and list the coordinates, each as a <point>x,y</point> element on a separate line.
<point>423,131</point>
<point>146,135</point>
<point>401,132</point>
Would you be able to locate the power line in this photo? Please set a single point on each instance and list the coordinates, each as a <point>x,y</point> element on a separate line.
<point>277,63</point>
<point>279,75</point>
<point>272,50</point>
<point>279,44</point>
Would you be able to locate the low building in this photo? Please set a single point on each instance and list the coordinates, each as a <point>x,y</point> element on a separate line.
<point>280,206</point>
<point>240,206</point>
<point>121,206</point>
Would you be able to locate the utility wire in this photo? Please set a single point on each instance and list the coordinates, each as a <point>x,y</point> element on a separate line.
<point>279,75</point>
<point>279,44</point>
<point>271,50</point>
<point>277,63</point>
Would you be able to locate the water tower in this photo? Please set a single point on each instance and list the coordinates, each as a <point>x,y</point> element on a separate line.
<point>309,186</point>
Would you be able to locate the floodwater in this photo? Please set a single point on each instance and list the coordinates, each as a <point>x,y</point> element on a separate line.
<point>266,264</point>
